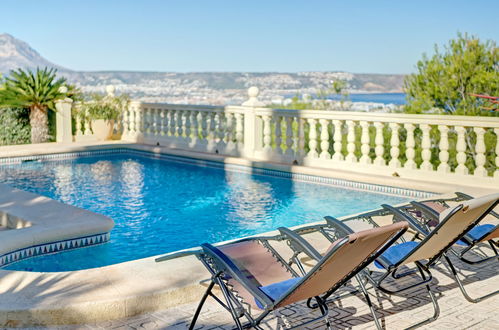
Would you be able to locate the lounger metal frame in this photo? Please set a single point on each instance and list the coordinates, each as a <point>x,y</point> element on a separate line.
<point>220,266</point>
<point>420,223</point>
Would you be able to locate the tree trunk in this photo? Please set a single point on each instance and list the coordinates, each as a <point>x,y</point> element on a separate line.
<point>39,122</point>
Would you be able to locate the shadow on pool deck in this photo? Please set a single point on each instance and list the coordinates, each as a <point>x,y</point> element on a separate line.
<point>396,311</point>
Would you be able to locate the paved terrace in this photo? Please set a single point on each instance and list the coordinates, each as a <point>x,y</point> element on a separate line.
<point>350,312</point>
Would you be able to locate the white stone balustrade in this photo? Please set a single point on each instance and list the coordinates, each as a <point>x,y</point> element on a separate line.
<point>414,146</point>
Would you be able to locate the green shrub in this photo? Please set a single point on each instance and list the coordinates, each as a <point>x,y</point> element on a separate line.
<point>14,128</point>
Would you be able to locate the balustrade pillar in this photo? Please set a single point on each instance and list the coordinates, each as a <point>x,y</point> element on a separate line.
<point>173,122</point>
<point>211,132</point>
<point>410,143</point>
<point>480,152</point>
<point>364,140</point>
<point>229,132</point>
<point>239,129</point>
<point>278,134</point>
<point>300,151</point>
<point>289,137</point>
<point>312,138</point>
<point>267,131</point>
<point>337,137</point>
<point>426,145</point>
<point>443,155</point>
<point>195,128</point>
<point>379,140</point>
<point>324,139</point>
<point>461,151</point>
<point>351,142</point>
<point>394,146</point>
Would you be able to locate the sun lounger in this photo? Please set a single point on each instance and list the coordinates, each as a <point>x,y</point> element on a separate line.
<point>425,216</point>
<point>451,227</point>
<point>255,280</point>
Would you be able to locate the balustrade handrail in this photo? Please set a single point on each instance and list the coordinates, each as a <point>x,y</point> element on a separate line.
<point>401,118</point>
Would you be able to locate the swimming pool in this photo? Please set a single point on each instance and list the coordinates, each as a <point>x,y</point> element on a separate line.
<point>162,204</point>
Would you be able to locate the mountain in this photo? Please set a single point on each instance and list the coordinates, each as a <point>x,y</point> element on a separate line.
<point>15,53</point>
<point>197,87</point>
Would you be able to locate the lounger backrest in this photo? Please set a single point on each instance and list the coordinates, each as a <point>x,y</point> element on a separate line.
<point>340,263</point>
<point>258,263</point>
<point>454,223</point>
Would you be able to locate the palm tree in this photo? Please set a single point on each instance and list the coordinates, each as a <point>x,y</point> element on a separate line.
<point>36,91</point>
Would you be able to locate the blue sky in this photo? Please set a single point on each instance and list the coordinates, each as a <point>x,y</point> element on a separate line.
<point>286,36</point>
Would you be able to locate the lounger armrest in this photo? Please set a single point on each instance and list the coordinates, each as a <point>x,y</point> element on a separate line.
<point>227,266</point>
<point>398,216</point>
<point>339,226</point>
<point>426,210</point>
<point>298,244</point>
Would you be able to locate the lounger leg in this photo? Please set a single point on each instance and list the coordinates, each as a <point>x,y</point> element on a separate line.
<point>461,286</point>
<point>436,308</point>
<point>200,306</point>
<point>368,300</point>
<point>229,303</point>
<point>324,310</point>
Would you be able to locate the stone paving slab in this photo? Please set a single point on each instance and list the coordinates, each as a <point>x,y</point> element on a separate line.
<point>350,312</point>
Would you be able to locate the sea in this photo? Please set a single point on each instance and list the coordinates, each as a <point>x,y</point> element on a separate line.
<point>385,98</point>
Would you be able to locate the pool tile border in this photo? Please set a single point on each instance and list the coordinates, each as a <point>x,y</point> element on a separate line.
<point>388,190</point>
<point>53,247</point>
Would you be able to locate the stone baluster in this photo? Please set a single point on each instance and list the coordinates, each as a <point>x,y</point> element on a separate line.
<point>480,152</point>
<point>461,151</point>
<point>139,122</point>
<point>496,173</point>
<point>164,122</point>
<point>147,121</point>
<point>195,127</point>
<point>267,138</point>
<point>394,146</point>
<point>157,121</point>
<point>364,140</point>
<point>239,129</point>
<point>337,137</point>
<point>410,143</point>
<point>351,142</point>
<point>87,130</point>
<point>300,151</point>
<point>278,134</point>
<point>211,132</point>
<point>173,122</point>
<point>132,121</point>
<point>204,127</point>
<point>312,138</point>
<point>426,145</point>
<point>295,136</point>
<point>324,139</point>
<point>125,121</point>
<point>180,124</point>
<point>79,125</point>
<point>229,136</point>
<point>221,130</point>
<point>379,140</point>
<point>187,125</point>
<point>289,136</point>
<point>443,154</point>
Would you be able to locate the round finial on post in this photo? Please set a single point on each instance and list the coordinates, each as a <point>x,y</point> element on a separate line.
<point>253,93</point>
<point>110,90</point>
<point>63,89</point>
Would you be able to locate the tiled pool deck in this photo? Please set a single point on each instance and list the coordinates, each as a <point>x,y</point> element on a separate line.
<point>350,312</point>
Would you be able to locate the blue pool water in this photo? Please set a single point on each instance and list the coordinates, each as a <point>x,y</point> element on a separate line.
<point>162,205</point>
